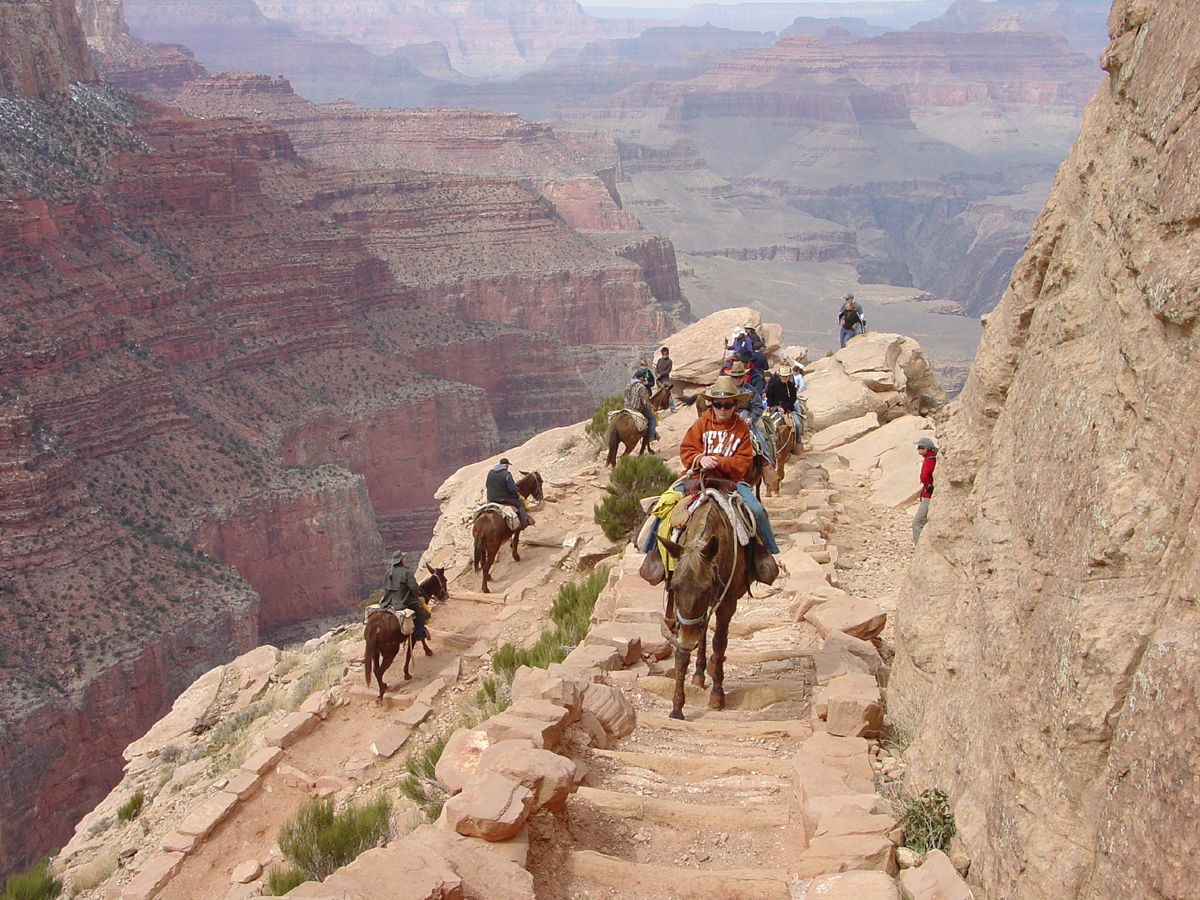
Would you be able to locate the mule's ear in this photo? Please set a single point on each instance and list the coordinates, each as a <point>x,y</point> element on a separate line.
<point>673,548</point>
<point>430,568</point>
<point>522,471</point>
<point>710,549</point>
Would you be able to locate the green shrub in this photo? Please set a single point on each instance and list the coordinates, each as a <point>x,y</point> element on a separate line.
<point>128,810</point>
<point>420,784</point>
<point>571,612</point>
<point>318,841</point>
<point>280,880</point>
<point>598,427</point>
<point>927,821</point>
<point>633,479</point>
<point>34,884</point>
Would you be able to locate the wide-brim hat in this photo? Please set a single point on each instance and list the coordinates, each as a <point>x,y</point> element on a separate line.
<point>397,557</point>
<point>750,326</point>
<point>784,371</point>
<point>725,388</point>
<point>738,368</point>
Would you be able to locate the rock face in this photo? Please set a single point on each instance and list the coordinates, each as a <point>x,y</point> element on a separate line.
<point>38,53</point>
<point>1047,632</point>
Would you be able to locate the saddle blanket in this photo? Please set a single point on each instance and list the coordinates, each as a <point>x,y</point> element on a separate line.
<point>639,421</point>
<point>406,617</point>
<point>509,513</point>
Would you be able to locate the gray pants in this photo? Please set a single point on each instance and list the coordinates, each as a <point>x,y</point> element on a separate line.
<point>920,518</point>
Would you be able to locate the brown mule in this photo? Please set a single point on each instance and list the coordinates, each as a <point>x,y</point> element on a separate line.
<point>711,575</point>
<point>622,430</point>
<point>785,443</point>
<point>491,530</point>
<point>384,637</point>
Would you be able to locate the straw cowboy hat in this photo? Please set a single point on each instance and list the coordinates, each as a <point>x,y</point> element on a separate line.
<point>784,371</point>
<point>738,369</point>
<point>725,388</point>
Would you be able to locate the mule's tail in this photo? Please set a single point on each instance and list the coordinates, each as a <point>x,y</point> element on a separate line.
<point>686,400</point>
<point>614,441</point>
<point>478,560</point>
<point>369,655</point>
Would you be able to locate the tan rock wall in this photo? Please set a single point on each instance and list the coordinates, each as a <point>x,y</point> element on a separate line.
<point>1047,631</point>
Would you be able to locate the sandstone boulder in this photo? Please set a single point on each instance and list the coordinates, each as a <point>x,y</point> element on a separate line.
<point>856,617</point>
<point>852,886</point>
<point>934,879</point>
<point>843,432</point>
<point>459,758</point>
<point>549,776</point>
<point>611,708</point>
<point>833,396</point>
<point>842,654</point>
<point>851,706</point>
<point>698,349</point>
<point>489,806</point>
<point>844,853</point>
<point>486,873</point>
<point>539,684</point>
<point>622,639</point>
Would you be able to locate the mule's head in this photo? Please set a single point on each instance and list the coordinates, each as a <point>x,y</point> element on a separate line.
<point>531,485</point>
<point>695,586</point>
<point>440,588</point>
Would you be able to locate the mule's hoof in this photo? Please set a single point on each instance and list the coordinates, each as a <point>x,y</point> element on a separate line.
<point>716,701</point>
<point>428,652</point>
<point>408,678</point>
<point>698,680</point>
<point>677,714</point>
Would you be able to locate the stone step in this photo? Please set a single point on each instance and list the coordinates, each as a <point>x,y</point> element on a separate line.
<point>634,881</point>
<point>698,767</point>
<point>674,812</point>
<point>719,724</point>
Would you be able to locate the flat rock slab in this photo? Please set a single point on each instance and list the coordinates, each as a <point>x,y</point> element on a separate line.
<point>667,812</point>
<point>390,741</point>
<point>290,730</point>
<point>459,758</point>
<point>208,815</point>
<point>856,617</point>
<point>594,656</point>
<point>414,715</point>
<point>641,879</point>
<point>549,776</point>
<point>538,684</point>
<point>843,432</point>
<point>394,872</point>
<point>620,637</point>
<point>934,879</point>
<point>843,853</point>
<point>852,886</point>
<point>243,784</point>
<point>486,870</point>
<point>263,761</point>
<point>700,767</point>
<point>153,877</point>
<point>724,727</point>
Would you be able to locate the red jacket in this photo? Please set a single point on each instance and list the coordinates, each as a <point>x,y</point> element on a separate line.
<point>927,465</point>
<point>731,443</point>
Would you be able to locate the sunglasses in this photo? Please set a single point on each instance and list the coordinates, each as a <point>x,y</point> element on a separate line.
<point>727,404</point>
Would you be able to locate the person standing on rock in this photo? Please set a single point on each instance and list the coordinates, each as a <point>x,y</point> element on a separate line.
<point>503,490</point>
<point>662,368</point>
<point>851,319</point>
<point>928,450</point>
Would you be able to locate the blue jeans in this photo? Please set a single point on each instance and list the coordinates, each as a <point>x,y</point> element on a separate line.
<point>650,419</point>
<point>848,333</point>
<point>766,448</point>
<point>761,522</point>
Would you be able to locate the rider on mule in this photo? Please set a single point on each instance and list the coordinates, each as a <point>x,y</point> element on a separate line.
<point>783,390</point>
<point>718,444</point>
<point>400,591</point>
<point>751,410</point>
<point>503,490</point>
<point>637,398</point>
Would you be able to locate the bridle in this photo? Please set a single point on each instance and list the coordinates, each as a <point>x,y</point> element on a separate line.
<point>708,607</point>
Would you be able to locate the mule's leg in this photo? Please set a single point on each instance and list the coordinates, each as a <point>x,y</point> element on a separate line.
<point>425,644</point>
<point>408,648</point>
<point>701,650</point>
<point>377,665</point>
<point>489,557</point>
<point>682,658</point>
<point>515,538</point>
<point>716,698</point>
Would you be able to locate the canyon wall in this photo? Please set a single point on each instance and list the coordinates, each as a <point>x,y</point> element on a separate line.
<point>1048,659</point>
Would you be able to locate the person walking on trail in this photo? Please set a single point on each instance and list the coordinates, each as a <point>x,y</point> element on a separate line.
<point>637,398</point>
<point>929,451</point>
<point>662,368</point>
<point>851,319</point>
<point>740,342</point>
<point>503,490</point>
<point>756,342</point>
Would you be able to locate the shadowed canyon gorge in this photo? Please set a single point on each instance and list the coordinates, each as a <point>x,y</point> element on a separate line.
<point>249,322</point>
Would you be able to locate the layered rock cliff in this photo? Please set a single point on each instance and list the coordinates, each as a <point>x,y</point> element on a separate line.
<point>1048,659</point>
<point>228,377</point>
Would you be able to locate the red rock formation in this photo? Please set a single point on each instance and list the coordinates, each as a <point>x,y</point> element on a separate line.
<point>1047,635</point>
<point>39,50</point>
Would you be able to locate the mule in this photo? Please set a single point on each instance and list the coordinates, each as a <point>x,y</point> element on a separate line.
<point>622,430</point>
<point>384,635</point>
<point>711,575</point>
<point>785,443</point>
<point>490,529</point>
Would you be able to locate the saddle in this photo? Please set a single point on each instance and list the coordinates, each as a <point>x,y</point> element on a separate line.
<point>406,617</point>
<point>639,420</point>
<point>510,513</point>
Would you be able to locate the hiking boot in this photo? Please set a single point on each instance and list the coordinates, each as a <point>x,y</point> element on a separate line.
<point>762,563</point>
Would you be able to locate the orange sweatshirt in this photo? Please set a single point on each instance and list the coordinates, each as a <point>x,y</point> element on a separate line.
<point>731,443</point>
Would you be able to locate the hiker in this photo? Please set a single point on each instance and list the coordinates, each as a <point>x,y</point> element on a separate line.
<point>756,343</point>
<point>718,443</point>
<point>644,374</point>
<point>782,393</point>
<point>851,319</point>
<point>637,398</point>
<point>928,450</point>
<point>503,490</point>
<point>740,342</point>
<point>400,591</point>
<point>751,410</point>
<point>662,368</point>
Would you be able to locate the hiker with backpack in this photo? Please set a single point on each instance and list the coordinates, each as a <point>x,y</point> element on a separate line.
<point>851,319</point>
